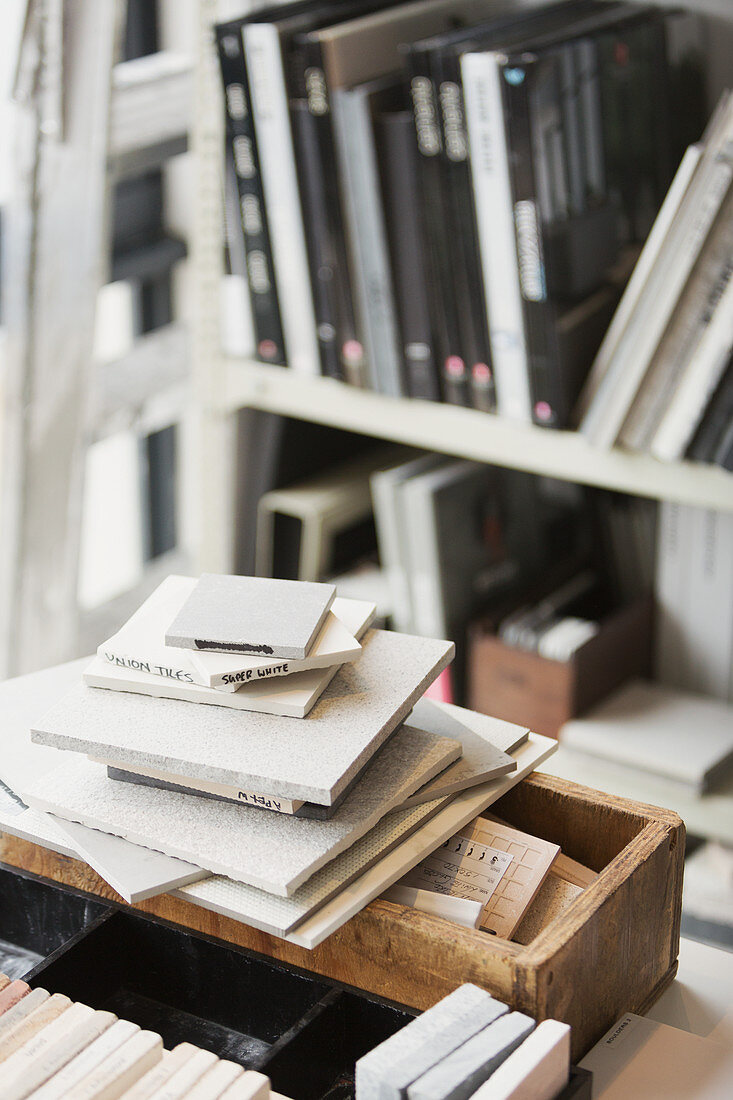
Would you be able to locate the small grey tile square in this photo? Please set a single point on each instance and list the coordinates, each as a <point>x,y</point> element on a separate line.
<point>460,1074</point>
<point>261,616</point>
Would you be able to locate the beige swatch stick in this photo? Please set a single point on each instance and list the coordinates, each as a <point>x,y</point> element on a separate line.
<point>37,1061</point>
<point>250,1086</point>
<point>11,994</point>
<point>215,1081</point>
<point>22,1010</point>
<point>35,1022</point>
<point>121,1070</point>
<point>186,1077</point>
<point>86,1061</point>
<point>170,1061</point>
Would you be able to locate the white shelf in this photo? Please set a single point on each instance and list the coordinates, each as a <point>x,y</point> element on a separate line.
<point>469,434</point>
<point>708,815</point>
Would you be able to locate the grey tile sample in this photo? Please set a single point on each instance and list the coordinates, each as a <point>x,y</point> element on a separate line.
<point>482,759</point>
<point>438,716</point>
<point>255,615</point>
<point>280,916</point>
<point>388,1070</point>
<point>274,852</point>
<point>460,1074</point>
<point>313,758</point>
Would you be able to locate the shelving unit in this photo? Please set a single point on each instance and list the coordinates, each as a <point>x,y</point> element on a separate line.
<point>223,386</point>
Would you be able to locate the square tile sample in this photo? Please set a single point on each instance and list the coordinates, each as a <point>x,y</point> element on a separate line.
<point>254,615</point>
<point>336,642</point>
<point>343,887</point>
<point>275,852</point>
<point>532,858</point>
<point>312,759</point>
<point>481,760</point>
<point>287,696</point>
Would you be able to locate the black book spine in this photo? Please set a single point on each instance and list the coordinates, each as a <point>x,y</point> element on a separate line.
<point>435,227</point>
<point>326,240</point>
<point>549,403</point>
<point>242,143</point>
<point>465,258</point>
<point>321,260</point>
<point>397,139</point>
<point>716,422</point>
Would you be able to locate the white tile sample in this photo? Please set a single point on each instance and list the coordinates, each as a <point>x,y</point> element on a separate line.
<point>337,643</point>
<point>506,736</point>
<point>458,1076</point>
<point>647,726</point>
<point>537,1070</point>
<point>314,759</point>
<point>386,1072</point>
<point>280,916</point>
<point>274,852</point>
<point>136,873</point>
<point>459,810</point>
<point>287,696</point>
<point>339,890</point>
<point>255,615</point>
<point>482,759</point>
<point>459,910</point>
<point>140,642</point>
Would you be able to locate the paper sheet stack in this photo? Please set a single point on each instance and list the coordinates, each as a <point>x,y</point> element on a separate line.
<point>275,815</point>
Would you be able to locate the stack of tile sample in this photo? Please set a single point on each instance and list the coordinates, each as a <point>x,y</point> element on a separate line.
<point>271,809</point>
<point>469,1044</point>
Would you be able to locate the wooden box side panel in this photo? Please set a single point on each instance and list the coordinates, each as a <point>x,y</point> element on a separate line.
<point>589,826</point>
<point>391,950</point>
<point>616,947</point>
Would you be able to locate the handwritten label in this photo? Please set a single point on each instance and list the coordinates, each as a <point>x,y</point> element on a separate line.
<point>462,868</point>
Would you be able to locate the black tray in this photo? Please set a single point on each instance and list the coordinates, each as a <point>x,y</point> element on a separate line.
<point>305,1032</point>
<point>37,919</point>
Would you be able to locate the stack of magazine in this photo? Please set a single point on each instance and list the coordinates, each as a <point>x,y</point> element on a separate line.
<point>662,379</point>
<point>436,199</point>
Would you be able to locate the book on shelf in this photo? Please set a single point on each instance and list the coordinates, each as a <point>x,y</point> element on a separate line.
<point>695,212</point>
<point>713,440</point>
<point>392,252</point>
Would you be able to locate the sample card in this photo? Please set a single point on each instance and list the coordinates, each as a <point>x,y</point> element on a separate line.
<point>463,868</point>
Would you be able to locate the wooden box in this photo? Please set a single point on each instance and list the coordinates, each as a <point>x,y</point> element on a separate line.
<point>534,691</point>
<point>613,950</point>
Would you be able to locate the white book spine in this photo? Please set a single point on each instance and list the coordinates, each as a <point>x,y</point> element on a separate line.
<point>271,115</point>
<point>708,625</point>
<point>423,563</point>
<point>368,236</point>
<point>701,376</point>
<point>497,243</point>
<point>664,285</point>
<point>672,662</point>
<point>592,395</point>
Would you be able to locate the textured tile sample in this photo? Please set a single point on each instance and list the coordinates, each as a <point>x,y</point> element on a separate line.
<point>313,759</point>
<point>287,696</point>
<point>464,1070</point>
<point>537,1070</point>
<point>135,873</point>
<point>253,615</point>
<point>337,643</point>
<point>461,809</point>
<point>166,781</point>
<point>274,852</point>
<point>342,888</point>
<point>552,899</point>
<point>481,761</point>
<point>279,916</point>
<point>386,1072</point>
<point>532,858</point>
<point>502,735</point>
